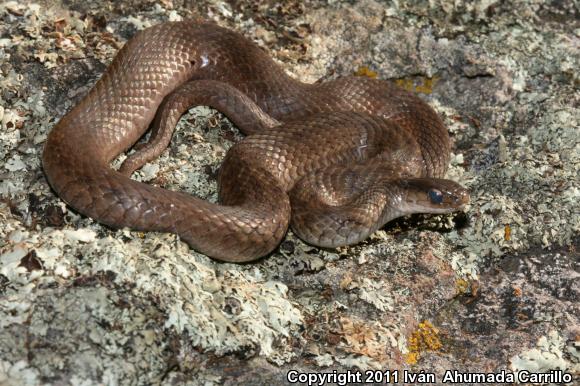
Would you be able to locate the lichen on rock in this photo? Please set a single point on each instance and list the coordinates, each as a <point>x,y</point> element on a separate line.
<point>84,304</point>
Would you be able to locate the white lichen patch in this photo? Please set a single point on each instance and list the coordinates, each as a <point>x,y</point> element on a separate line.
<point>535,196</point>
<point>195,299</point>
<point>98,306</point>
<point>17,373</point>
<point>376,294</point>
<point>547,355</point>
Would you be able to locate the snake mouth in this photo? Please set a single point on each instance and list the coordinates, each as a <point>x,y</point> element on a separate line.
<point>433,195</point>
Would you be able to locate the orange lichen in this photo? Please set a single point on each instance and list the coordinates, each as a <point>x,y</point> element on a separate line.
<point>507,232</point>
<point>424,338</point>
<point>517,291</point>
<point>365,71</point>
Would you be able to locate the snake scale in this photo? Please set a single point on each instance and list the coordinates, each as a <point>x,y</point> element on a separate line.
<point>333,160</point>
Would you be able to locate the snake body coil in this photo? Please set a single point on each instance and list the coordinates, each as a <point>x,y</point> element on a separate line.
<point>336,160</point>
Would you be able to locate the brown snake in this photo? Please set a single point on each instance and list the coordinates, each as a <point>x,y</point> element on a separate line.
<point>335,160</point>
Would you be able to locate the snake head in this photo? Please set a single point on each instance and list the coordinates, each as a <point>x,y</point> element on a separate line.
<point>432,195</point>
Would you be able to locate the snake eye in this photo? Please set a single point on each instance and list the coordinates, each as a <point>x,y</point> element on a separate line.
<point>435,196</point>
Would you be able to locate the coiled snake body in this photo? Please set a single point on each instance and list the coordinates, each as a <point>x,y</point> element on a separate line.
<point>336,160</point>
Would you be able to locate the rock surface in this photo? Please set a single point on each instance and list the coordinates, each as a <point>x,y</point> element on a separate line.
<point>494,289</point>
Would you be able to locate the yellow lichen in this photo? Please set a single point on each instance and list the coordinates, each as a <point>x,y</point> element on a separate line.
<point>461,286</point>
<point>467,287</point>
<point>425,86</point>
<point>407,84</point>
<point>424,338</point>
<point>365,71</point>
